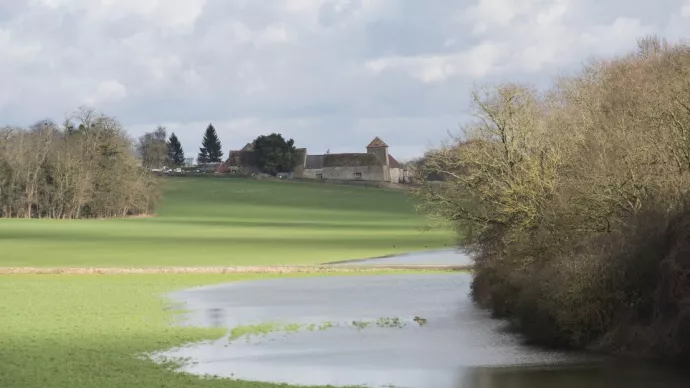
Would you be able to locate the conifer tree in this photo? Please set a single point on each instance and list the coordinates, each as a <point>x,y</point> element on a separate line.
<point>211,149</point>
<point>175,151</point>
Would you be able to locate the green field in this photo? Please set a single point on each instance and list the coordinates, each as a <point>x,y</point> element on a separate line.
<point>85,331</point>
<point>77,331</point>
<point>224,221</point>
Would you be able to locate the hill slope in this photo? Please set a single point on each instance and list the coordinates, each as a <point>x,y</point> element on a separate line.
<point>218,221</point>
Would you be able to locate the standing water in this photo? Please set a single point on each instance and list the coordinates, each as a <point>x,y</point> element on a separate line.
<point>411,330</point>
<point>445,257</point>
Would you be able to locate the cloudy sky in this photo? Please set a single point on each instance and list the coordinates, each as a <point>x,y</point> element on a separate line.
<point>331,74</point>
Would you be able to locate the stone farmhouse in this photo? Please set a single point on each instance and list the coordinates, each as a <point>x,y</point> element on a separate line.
<point>376,164</point>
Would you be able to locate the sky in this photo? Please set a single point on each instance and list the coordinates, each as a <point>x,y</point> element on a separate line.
<point>331,74</point>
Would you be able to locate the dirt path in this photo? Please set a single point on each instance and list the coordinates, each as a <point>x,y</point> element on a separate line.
<point>221,270</point>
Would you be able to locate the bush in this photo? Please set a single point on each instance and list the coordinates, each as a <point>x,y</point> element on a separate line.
<point>573,203</point>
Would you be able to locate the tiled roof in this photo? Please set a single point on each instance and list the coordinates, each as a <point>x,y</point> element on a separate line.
<point>377,143</point>
<point>314,162</point>
<point>393,163</point>
<point>233,158</point>
<point>350,160</point>
<point>241,158</point>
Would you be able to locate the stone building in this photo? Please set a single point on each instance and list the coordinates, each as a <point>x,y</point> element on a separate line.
<point>376,164</point>
<point>243,160</point>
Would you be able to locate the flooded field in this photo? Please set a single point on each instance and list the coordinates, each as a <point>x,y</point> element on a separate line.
<point>449,257</point>
<point>411,330</point>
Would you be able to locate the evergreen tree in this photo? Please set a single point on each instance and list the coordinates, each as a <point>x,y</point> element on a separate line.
<point>202,157</point>
<point>211,150</point>
<point>175,152</point>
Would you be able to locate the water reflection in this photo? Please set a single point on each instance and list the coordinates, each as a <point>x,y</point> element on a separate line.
<point>458,346</point>
<point>449,256</point>
<point>608,375</point>
<point>216,317</point>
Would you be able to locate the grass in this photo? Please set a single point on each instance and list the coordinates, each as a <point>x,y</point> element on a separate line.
<point>84,331</point>
<point>265,328</point>
<point>217,221</point>
<point>80,331</point>
<point>259,329</point>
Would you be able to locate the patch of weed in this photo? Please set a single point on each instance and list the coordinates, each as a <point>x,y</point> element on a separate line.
<point>390,322</point>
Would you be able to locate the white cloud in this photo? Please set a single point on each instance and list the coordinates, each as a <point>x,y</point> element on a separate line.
<point>303,5</point>
<point>538,34</point>
<point>488,14</point>
<point>476,62</point>
<point>172,14</point>
<point>330,73</point>
<point>17,51</point>
<point>685,9</point>
<point>107,92</point>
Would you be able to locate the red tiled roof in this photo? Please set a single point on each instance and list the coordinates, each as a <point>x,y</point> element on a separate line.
<point>377,143</point>
<point>392,163</point>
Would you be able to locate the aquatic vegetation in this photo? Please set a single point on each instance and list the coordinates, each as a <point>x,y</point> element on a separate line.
<point>421,321</point>
<point>263,329</point>
<point>360,324</point>
<point>390,322</point>
<point>292,328</point>
<point>266,328</point>
<point>258,329</point>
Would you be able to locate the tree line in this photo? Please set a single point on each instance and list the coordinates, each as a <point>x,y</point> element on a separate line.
<point>574,203</point>
<point>84,168</point>
<point>88,166</point>
<point>273,153</point>
<point>156,150</point>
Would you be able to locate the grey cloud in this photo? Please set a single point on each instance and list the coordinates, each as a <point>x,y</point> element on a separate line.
<point>334,11</point>
<point>655,12</point>
<point>419,28</point>
<point>304,68</point>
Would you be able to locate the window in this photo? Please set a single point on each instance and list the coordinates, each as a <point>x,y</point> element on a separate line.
<point>358,175</point>
<point>319,176</point>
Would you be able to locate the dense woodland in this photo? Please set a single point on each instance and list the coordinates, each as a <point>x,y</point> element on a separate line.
<point>85,168</point>
<point>574,203</point>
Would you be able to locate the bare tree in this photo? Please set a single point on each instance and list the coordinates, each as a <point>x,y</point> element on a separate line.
<point>574,201</point>
<point>152,148</point>
<point>87,168</point>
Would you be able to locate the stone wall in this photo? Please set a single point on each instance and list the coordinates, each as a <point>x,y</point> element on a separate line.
<point>369,173</point>
<point>373,184</point>
<point>396,175</point>
<point>310,173</point>
<point>300,160</point>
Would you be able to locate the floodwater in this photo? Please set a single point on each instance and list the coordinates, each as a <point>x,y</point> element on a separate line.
<point>453,345</point>
<point>441,257</point>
